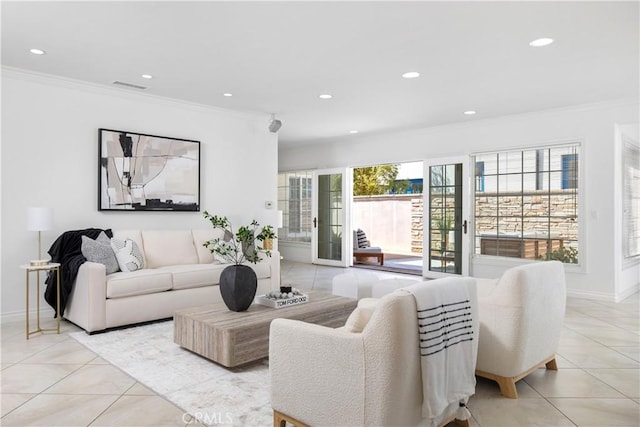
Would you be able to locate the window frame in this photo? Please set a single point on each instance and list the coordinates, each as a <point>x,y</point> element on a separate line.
<point>627,199</point>
<point>580,190</point>
<point>299,235</point>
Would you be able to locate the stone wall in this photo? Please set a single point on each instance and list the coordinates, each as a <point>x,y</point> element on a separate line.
<point>528,211</point>
<point>516,211</point>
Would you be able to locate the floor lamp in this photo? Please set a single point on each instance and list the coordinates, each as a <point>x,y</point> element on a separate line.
<point>39,219</point>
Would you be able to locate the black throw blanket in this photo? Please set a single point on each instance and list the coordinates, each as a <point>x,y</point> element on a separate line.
<point>67,251</point>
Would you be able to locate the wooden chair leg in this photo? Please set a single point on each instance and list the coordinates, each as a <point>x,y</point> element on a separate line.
<point>507,387</point>
<point>552,364</point>
<point>280,420</point>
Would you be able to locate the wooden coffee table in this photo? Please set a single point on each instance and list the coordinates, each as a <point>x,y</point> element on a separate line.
<point>231,338</point>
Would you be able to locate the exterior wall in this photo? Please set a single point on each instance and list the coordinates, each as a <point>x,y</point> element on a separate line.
<point>386,220</point>
<point>516,216</point>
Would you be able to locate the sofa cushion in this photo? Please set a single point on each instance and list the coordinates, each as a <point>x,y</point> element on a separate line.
<point>99,250</point>
<point>134,235</point>
<point>197,275</point>
<point>361,239</point>
<point>128,254</point>
<point>139,282</point>
<point>199,238</point>
<point>169,247</point>
<point>194,275</point>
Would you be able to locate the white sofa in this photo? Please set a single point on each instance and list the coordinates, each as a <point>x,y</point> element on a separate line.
<point>179,273</point>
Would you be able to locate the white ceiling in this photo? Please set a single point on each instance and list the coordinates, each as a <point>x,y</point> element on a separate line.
<point>277,57</point>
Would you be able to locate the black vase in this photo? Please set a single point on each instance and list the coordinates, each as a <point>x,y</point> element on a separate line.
<point>238,284</point>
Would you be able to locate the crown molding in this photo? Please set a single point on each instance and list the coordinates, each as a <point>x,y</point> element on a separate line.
<point>127,94</point>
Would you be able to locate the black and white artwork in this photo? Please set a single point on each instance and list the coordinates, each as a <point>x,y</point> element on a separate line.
<point>141,172</point>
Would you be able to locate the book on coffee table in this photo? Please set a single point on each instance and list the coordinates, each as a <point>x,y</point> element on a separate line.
<point>282,302</point>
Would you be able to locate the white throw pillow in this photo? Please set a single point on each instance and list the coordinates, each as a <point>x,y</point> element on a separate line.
<point>128,254</point>
<point>100,251</point>
<point>359,318</point>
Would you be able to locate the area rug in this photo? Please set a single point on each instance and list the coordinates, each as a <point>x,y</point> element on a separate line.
<point>212,394</point>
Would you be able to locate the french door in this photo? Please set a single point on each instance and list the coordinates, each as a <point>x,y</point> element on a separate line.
<point>446,226</point>
<point>330,237</point>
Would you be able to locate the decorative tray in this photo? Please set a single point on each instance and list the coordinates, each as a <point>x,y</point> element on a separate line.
<point>275,299</point>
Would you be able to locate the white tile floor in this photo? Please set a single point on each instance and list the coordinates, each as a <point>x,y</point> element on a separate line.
<point>52,380</point>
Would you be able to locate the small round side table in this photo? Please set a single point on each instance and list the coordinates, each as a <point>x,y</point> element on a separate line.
<point>52,266</point>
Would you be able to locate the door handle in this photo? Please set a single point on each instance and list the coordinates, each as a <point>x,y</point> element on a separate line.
<point>315,222</point>
<point>464,226</point>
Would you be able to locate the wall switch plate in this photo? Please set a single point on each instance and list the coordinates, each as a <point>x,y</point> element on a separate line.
<point>268,204</point>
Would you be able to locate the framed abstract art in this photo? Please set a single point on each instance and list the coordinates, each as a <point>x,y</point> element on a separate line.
<point>139,172</point>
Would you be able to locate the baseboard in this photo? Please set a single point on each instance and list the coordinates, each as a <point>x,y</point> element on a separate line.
<point>620,296</point>
<point>20,315</point>
<point>602,296</point>
<point>592,295</point>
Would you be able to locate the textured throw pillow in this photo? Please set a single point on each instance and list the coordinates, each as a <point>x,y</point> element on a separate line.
<point>361,315</point>
<point>128,254</point>
<point>100,251</point>
<point>362,239</point>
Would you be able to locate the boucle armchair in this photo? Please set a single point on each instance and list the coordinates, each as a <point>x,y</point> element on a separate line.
<point>521,317</point>
<point>367,373</point>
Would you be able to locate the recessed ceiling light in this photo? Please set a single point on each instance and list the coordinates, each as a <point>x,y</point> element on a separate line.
<point>469,112</point>
<point>146,76</point>
<point>353,131</point>
<point>544,41</point>
<point>37,51</point>
<point>411,75</point>
<point>326,96</point>
<point>227,94</point>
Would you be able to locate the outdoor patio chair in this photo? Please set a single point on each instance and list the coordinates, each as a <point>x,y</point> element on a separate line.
<point>362,248</point>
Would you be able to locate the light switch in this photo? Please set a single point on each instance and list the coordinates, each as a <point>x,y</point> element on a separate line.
<point>268,204</point>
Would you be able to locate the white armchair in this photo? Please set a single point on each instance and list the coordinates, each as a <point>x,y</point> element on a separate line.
<point>350,376</point>
<point>521,317</point>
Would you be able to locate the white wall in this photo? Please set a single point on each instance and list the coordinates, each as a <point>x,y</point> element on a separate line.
<point>592,125</point>
<point>50,158</point>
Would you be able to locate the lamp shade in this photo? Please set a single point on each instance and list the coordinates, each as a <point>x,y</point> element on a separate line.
<point>39,219</point>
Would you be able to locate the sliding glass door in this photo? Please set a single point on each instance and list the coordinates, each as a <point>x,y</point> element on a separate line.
<point>330,237</point>
<point>446,203</point>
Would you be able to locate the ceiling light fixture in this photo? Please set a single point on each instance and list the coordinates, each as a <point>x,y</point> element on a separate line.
<point>146,76</point>
<point>227,94</point>
<point>469,112</point>
<point>544,41</point>
<point>411,75</point>
<point>37,51</point>
<point>353,131</point>
<point>326,96</point>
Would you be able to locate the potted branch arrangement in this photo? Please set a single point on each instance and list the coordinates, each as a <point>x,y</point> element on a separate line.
<point>238,281</point>
<point>444,224</point>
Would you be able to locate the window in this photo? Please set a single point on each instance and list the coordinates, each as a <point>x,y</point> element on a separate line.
<point>631,198</point>
<point>569,171</point>
<point>526,203</point>
<point>479,176</point>
<point>294,200</point>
